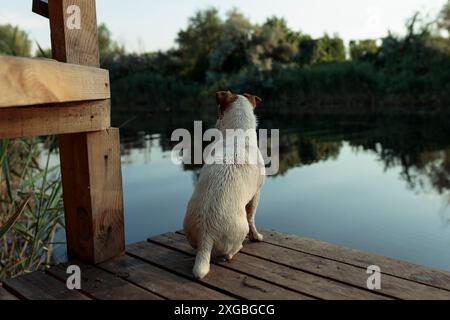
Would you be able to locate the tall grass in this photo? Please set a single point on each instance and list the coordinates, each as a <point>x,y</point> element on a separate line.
<point>30,203</point>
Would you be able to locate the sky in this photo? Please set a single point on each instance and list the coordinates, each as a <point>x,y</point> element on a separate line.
<point>150,25</point>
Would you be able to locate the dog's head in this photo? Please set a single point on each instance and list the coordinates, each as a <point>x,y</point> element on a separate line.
<point>226,101</point>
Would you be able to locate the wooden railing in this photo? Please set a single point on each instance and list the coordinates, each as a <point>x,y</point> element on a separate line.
<point>71,98</point>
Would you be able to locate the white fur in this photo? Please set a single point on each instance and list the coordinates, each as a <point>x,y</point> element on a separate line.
<point>221,211</point>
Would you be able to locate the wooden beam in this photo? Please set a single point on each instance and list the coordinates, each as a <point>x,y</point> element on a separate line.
<point>78,46</point>
<point>40,7</point>
<point>26,82</point>
<point>92,187</point>
<point>90,162</point>
<point>54,119</point>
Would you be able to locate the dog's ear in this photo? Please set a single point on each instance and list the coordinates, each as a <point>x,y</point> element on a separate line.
<point>254,100</point>
<point>224,100</point>
<point>222,97</point>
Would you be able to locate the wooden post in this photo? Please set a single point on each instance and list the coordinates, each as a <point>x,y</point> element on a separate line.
<point>90,162</point>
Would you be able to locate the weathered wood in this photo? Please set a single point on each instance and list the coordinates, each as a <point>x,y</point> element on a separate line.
<point>6,295</point>
<point>40,286</point>
<point>221,278</point>
<point>54,119</point>
<point>90,162</point>
<point>93,200</point>
<point>293,279</point>
<point>79,46</point>
<point>356,276</point>
<point>159,281</point>
<point>421,274</point>
<point>40,7</point>
<point>163,269</point>
<point>103,285</point>
<point>29,81</point>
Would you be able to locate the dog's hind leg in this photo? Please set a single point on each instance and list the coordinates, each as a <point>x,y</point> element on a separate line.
<point>230,256</point>
<point>250,208</point>
<point>202,260</point>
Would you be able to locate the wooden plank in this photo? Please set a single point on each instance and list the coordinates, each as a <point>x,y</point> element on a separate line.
<point>92,191</point>
<point>356,276</point>
<point>30,81</point>
<point>78,46</point>
<point>159,281</point>
<point>103,285</point>
<point>54,119</point>
<point>40,7</point>
<point>421,274</point>
<point>285,276</point>
<point>40,286</point>
<point>90,162</point>
<point>238,284</point>
<point>6,295</point>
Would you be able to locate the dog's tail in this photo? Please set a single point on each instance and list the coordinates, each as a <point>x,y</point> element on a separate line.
<point>202,260</point>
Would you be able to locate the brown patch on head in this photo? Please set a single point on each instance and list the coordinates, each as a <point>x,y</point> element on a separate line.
<point>254,100</point>
<point>225,99</point>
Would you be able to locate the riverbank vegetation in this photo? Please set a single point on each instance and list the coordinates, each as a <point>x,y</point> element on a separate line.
<point>292,71</point>
<point>30,204</point>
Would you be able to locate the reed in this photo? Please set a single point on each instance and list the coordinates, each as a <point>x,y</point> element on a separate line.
<point>30,203</point>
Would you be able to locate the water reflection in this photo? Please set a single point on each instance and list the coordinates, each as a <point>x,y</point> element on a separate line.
<point>380,185</point>
<point>421,147</point>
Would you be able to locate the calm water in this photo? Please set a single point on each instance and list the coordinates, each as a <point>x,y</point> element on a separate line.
<point>378,185</point>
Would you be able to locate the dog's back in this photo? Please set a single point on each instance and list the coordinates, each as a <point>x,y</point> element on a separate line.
<point>216,219</point>
<point>219,199</point>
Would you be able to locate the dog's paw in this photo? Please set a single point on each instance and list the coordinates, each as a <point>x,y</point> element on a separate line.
<point>256,237</point>
<point>229,257</point>
<point>222,259</point>
<point>201,271</point>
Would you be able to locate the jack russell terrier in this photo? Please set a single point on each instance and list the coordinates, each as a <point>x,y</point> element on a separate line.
<point>221,212</point>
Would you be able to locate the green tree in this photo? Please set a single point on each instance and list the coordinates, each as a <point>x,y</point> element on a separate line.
<point>107,46</point>
<point>198,41</point>
<point>275,42</point>
<point>232,51</point>
<point>363,49</point>
<point>325,49</point>
<point>14,42</point>
<point>444,17</point>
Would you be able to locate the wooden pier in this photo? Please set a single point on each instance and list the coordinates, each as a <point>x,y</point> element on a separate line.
<point>282,267</point>
<point>70,97</point>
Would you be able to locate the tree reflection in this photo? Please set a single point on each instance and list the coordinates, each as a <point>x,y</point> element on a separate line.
<point>419,146</point>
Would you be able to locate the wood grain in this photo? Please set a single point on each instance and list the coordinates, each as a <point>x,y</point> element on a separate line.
<point>163,269</point>
<point>6,295</point>
<point>54,119</point>
<point>159,281</point>
<point>90,162</point>
<point>92,191</point>
<point>236,284</point>
<point>103,285</point>
<point>297,280</point>
<point>79,46</point>
<point>356,276</point>
<point>421,274</point>
<point>40,286</point>
<point>30,81</point>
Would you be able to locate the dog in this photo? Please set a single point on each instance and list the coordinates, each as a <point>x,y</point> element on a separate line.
<point>221,211</point>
